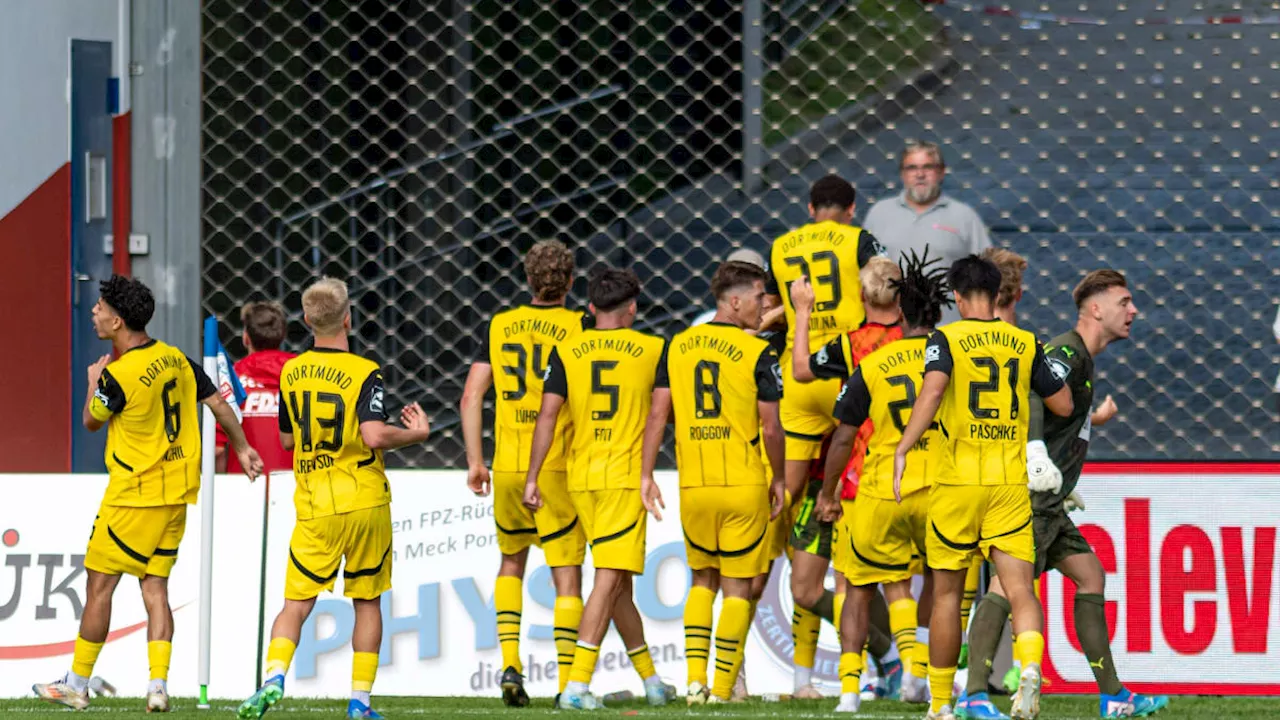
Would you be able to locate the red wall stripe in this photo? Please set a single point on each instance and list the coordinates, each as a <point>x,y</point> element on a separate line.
<point>121,197</point>
<point>36,240</point>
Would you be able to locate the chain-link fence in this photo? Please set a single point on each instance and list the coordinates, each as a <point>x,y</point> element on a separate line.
<point>417,149</point>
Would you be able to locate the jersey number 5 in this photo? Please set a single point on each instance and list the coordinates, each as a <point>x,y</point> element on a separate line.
<point>831,279</point>
<point>333,423</point>
<point>599,387</point>
<point>992,384</point>
<point>521,368</point>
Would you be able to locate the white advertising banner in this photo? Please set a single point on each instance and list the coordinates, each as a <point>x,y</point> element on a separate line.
<point>1189,550</point>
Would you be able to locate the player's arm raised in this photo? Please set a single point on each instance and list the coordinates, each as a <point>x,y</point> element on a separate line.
<point>375,431</point>
<point>768,393</point>
<point>555,389</point>
<point>479,380</point>
<point>802,301</point>
<point>105,396</point>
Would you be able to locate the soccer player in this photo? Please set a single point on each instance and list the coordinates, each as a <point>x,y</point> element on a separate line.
<point>836,361</point>
<point>980,370</point>
<point>518,341</point>
<point>1105,314</point>
<point>265,326</point>
<point>881,542</point>
<point>148,398</point>
<point>724,385</point>
<point>604,379</point>
<point>333,416</point>
<point>830,252</point>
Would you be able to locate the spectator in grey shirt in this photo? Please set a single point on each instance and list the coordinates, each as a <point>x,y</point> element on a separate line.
<point>922,215</point>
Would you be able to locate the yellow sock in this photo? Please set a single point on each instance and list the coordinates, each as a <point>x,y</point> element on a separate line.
<point>279,656</point>
<point>1017,655</point>
<point>584,663</point>
<point>850,671</point>
<point>566,617</point>
<point>971,581</point>
<point>731,636</point>
<point>85,657</point>
<point>902,623</point>
<point>158,652</point>
<point>697,632</point>
<point>364,669</point>
<point>920,656</point>
<point>940,687</point>
<point>837,605</point>
<point>804,633</point>
<point>508,598</point>
<point>643,662</point>
<point>1030,645</point>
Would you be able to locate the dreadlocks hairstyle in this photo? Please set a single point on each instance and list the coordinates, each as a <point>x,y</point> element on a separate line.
<point>922,291</point>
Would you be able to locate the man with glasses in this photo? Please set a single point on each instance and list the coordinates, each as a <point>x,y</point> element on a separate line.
<point>923,216</point>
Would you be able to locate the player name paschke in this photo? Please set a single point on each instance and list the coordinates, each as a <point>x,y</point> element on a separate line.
<point>993,337</point>
<point>625,347</point>
<point>710,432</point>
<point>538,326</point>
<point>318,372</point>
<point>900,357</point>
<point>708,342</point>
<point>1000,431</point>
<point>152,371</point>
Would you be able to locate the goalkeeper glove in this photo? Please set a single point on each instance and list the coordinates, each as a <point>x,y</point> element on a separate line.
<point>1073,502</point>
<point>1042,474</point>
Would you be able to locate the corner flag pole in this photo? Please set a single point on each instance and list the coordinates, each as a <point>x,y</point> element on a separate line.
<point>207,443</point>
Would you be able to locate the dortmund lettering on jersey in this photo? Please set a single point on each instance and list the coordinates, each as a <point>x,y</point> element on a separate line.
<point>518,344</point>
<point>606,378</point>
<point>718,373</point>
<point>149,397</point>
<point>830,254</point>
<point>324,396</point>
<point>881,393</point>
<point>1067,438</point>
<point>994,366</point>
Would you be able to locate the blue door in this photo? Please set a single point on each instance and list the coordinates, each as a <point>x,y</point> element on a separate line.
<point>90,221</point>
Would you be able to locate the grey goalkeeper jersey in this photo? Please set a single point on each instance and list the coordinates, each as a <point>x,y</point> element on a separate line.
<point>1066,437</point>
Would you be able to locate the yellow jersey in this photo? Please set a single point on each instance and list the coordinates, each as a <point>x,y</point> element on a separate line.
<point>993,367</point>
<point>718,375</point>
<point>883,389</point>
<point>517,344</point>
<point>606,378</point>
<point>830,254</point>
<point>324,396</point>
<point>150,399</point>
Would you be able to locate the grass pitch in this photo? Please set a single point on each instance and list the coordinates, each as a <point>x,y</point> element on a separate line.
<point>1054,708</point>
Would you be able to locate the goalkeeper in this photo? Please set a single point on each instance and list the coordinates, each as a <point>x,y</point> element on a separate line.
<point>1055,457</point>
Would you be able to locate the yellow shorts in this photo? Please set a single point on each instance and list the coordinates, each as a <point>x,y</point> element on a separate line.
<point>136,541</point>
<point>841,532</point>
<point>360,539</point>
<point>779,538</point>
<point>882,541</point>
<point>554,528</point>
<point>806,411</point>
<point>967,519</point>
<point>726,528</point>
<point>614,523</point>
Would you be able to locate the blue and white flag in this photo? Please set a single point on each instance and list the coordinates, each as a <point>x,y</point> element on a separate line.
<point>226,380</point>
